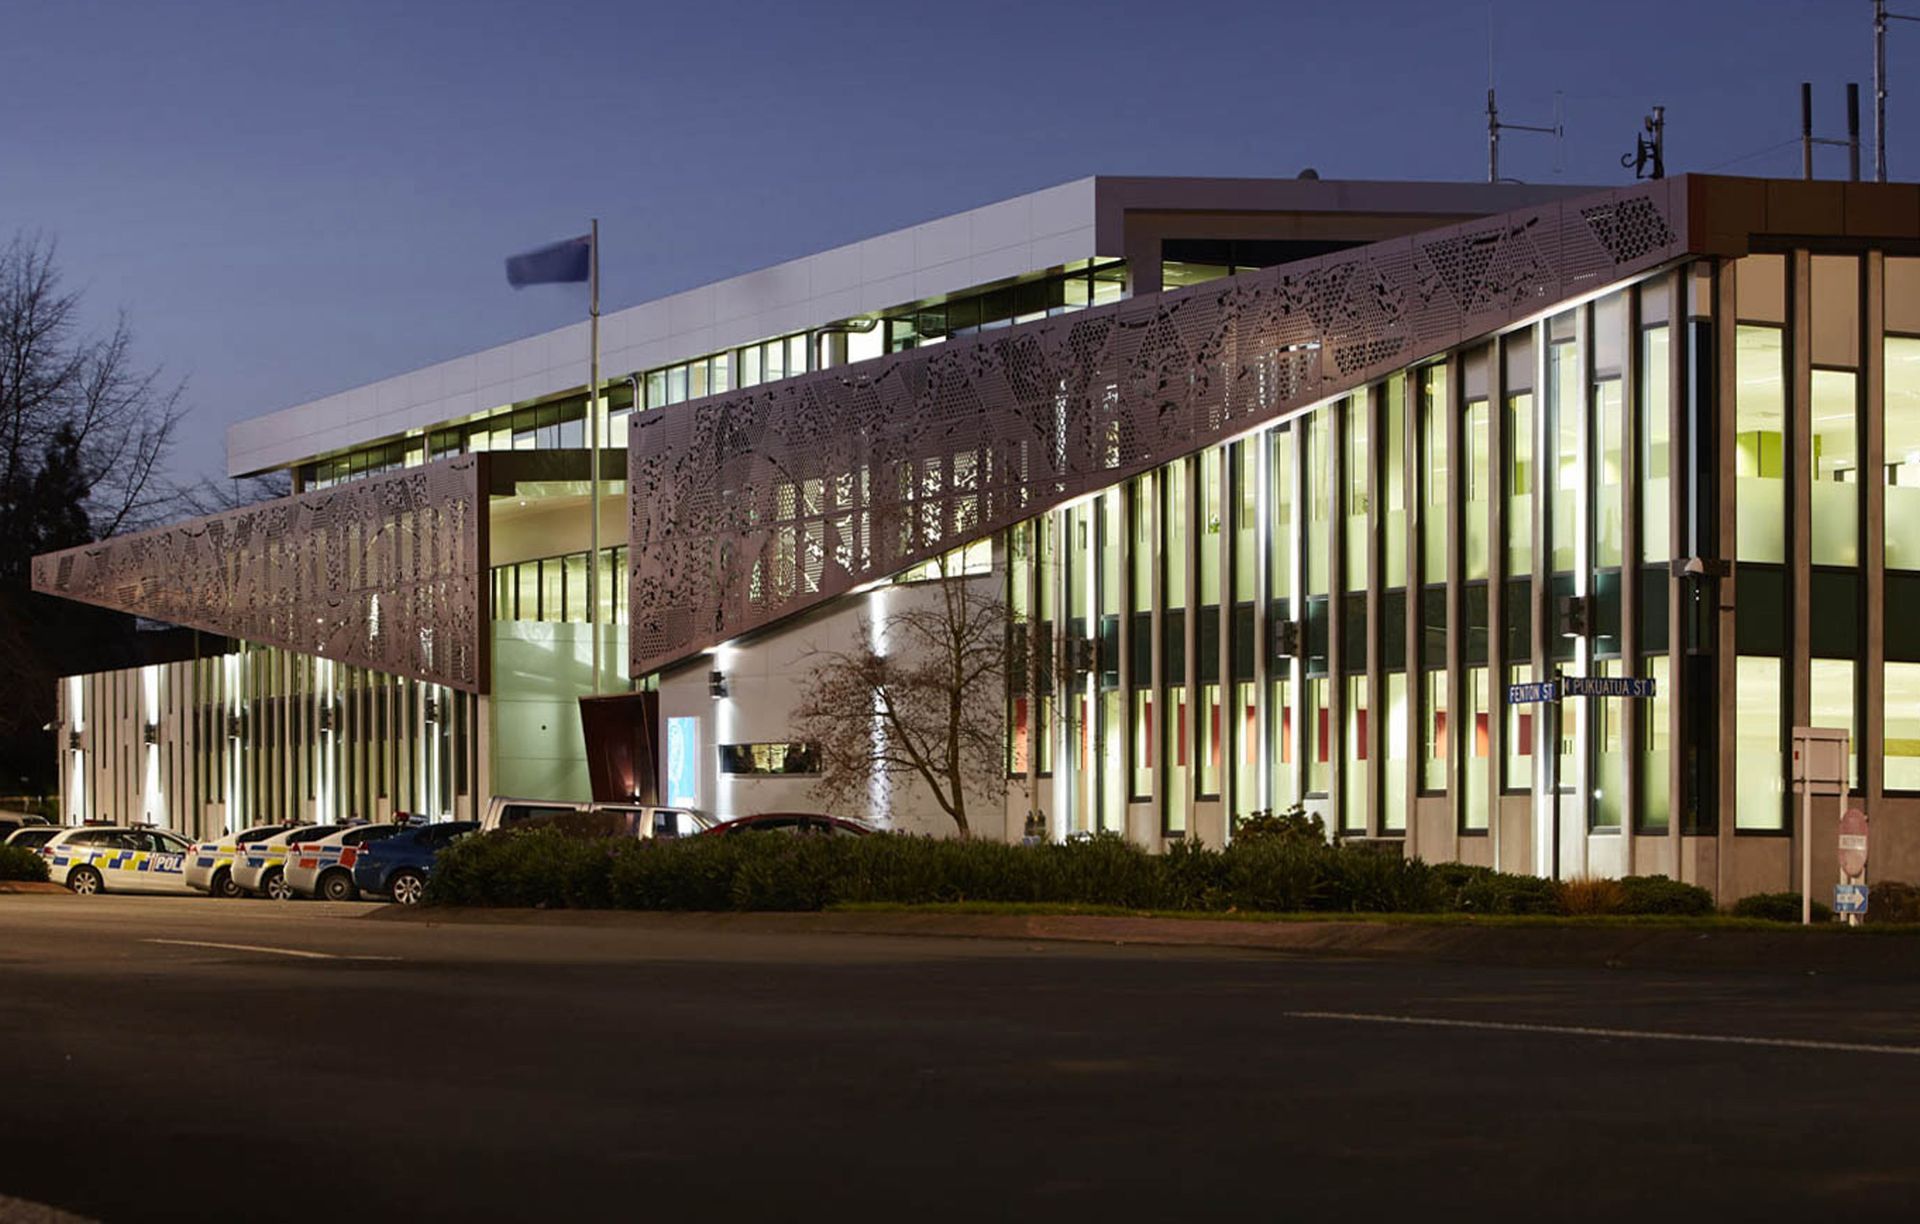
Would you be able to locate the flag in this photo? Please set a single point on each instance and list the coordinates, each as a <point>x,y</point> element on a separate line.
<point>561,263</point>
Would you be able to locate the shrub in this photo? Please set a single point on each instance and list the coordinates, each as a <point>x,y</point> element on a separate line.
<point>20,863</point>
<point>1482,890</point>
<point>1294,824</point>
<point>1592,895</point>
<point>1659,895</point>
<point>1893,902</point>
<point>540,867</point>
<point>1777,907</point>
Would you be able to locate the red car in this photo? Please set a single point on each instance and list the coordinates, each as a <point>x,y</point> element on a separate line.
<point>799,823</point>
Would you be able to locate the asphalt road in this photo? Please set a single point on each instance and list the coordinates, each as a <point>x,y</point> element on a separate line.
<point>625,1070</point>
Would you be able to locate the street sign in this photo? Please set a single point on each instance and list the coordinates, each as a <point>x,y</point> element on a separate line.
<point>1521,694</point>
<point>1853,844</point>
<point>1606,686</point>
<point>1849,898</point>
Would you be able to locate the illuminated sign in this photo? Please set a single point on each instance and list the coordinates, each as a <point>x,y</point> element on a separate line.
<point>683,765</point>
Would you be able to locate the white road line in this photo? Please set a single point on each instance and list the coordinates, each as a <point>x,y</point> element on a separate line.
<point>1573,1030</point>
<point>235,947</point>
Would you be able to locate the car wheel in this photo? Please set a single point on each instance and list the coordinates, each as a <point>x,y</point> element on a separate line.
<point>408,886</point>
<point>337,886</point>
<point>223,885</point>
<point>85,881</point>
<point>276,887</point>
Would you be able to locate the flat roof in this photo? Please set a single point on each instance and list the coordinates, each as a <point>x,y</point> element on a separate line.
<point>1083,219</point>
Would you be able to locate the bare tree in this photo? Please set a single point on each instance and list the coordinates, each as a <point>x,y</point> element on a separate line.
<point>210,496</point>
<point>83,395</point>
<point>928,703</point>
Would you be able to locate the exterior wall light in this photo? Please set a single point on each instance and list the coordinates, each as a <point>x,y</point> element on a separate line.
<point>150,733</point>
<point>716,684</point>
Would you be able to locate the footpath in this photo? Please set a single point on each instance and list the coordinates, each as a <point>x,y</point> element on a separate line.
<point>1892,953</point>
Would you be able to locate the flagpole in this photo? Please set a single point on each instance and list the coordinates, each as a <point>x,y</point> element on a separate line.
<point>593,450</point>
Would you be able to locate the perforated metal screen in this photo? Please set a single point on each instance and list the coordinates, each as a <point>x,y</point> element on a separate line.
<point>387,572</point>
<point>756,505</point>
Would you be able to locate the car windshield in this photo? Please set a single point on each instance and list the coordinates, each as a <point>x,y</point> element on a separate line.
<point>262,833</point>
<point>311,833</point>
<point>33,836</point>
<point>370,833</point>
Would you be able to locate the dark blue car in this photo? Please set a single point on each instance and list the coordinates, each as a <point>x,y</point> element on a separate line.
<point>398,866</point>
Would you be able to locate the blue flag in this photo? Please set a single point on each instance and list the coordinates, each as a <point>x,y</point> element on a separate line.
<point>562,263</point>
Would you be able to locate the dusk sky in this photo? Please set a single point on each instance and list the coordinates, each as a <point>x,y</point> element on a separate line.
<point>293,199</point>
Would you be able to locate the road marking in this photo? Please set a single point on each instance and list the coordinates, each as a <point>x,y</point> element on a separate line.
<point>1574,1030</point>
<point>235,947</point>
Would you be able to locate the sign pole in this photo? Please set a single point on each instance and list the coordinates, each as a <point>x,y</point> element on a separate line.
<point>593,451</point>
<point>1806,854</point>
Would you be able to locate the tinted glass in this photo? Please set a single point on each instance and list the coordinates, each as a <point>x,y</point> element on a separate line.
<point>372,833</point>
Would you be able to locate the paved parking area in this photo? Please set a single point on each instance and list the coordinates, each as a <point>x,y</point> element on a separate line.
<point>184,1058</point>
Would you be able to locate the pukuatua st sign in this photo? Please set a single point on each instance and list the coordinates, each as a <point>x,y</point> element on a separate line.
<point>1580,686</point>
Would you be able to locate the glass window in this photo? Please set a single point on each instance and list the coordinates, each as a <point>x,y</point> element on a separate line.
<point>1521,723</point>
<point>1609,716</point>
<point>1212,512</point>
<point>1760,422</point>
<point>1831,704</point>
<point>1174,735</point>
<point>1393,445</point>
<point>1479,479</point>
<point>1433,431</point>
<point>1174,507</point>
<point>1142,742</point>
<point>1433,746</point>
<point>1520,484</point>
<point>1357,538</point>
<point>1280,733</point>
<point>1393,797</point>
<point>1355,770</point>
<point>1280,533</point>
<point>576,581</point>
<point>1319,479</point>
<point>1473,815</point>
<point>1563,378</point>
<point>1902,474</point>
<point>1246,519</point>
<point>1900,706</point>
<point>1245,730</point>
<point>1320,738</point>
<point>1656,449</point>
<point>1757,764</point>
<point>1656,747</point>
<point>1609,440</point>
<point>1212,750</point>
<point>1835,466</point>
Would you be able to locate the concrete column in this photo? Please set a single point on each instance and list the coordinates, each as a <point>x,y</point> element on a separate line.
<point>1336,610</point>
<point>1373,401</point>
<point>1459,706</point>
<point>1725,385</point>
<point>1497,463</point>
<point>1633,725</point>
<point>1799,498</point>
<point>1873,536</point>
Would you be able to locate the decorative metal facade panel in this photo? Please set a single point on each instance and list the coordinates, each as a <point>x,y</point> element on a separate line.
<point>752,506</point>
<point>387,572</point>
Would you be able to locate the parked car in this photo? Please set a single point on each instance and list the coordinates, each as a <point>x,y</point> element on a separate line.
<point>324,868</point>
<point>634,819</point>
<point>210,866</point>
<point>806,824</point>
<point>398,866</point>
<point>32,837</point>
<point>260,867</point>
<point>93,859</point>
<point>13,822</point>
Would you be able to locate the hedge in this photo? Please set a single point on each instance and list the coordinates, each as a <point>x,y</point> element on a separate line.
<point>20,863</point>
<point>1293,871</point>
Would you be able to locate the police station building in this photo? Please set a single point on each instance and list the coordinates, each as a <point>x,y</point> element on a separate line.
<point>1295,483</point>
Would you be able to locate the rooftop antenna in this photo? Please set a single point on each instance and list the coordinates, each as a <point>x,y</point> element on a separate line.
<point>1495,126</point>
<point>1649,157</point>
<point>1807,139</point>
<point>1880,18</point>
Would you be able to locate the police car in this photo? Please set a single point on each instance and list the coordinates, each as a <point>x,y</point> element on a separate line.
<point>324,868</point>
<point>210,866</point>
<point>260,867</point>
<point>117,858</point>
